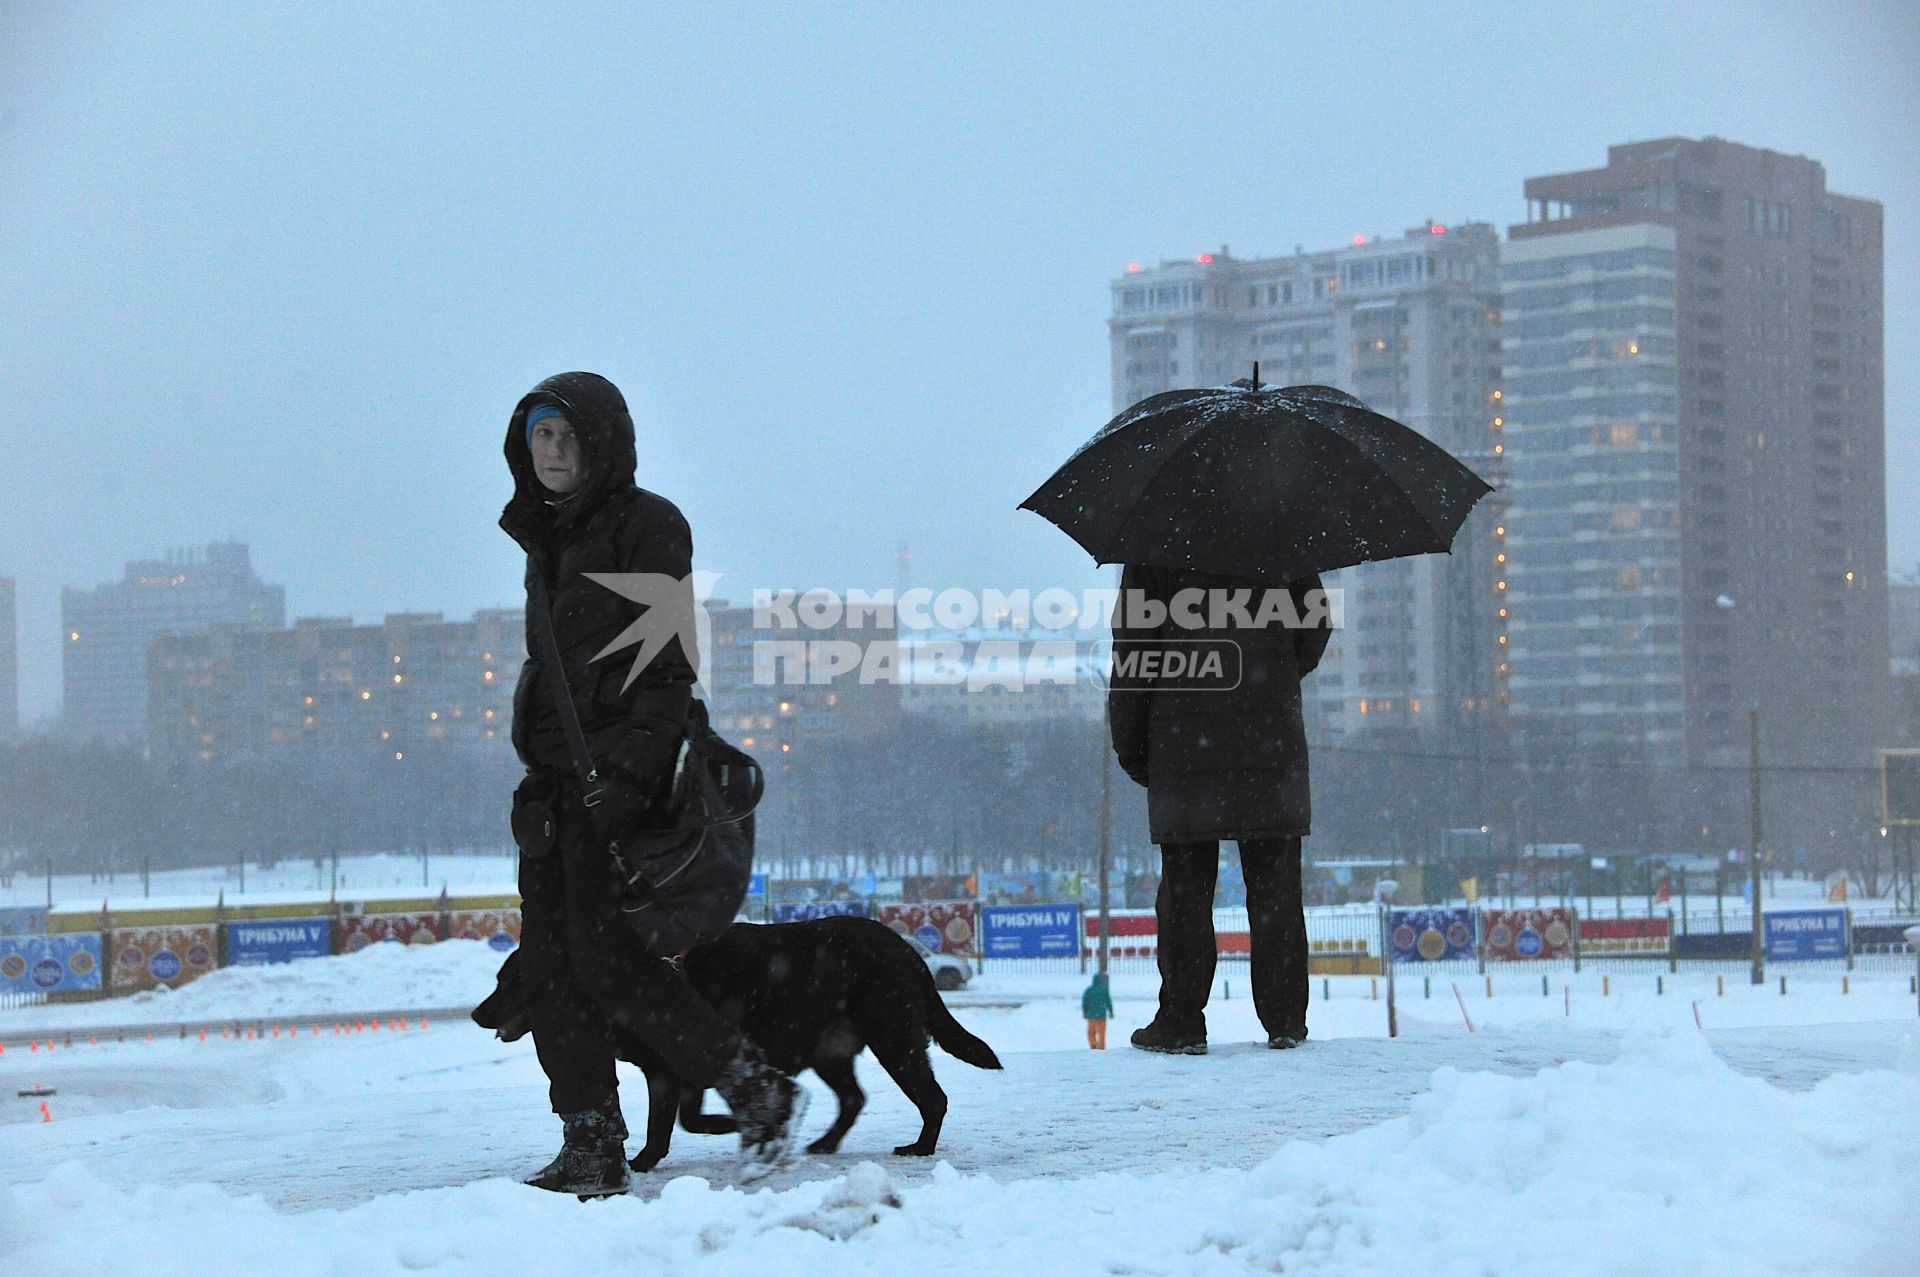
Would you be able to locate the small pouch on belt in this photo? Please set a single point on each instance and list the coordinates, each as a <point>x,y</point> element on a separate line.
<point>534,822</point>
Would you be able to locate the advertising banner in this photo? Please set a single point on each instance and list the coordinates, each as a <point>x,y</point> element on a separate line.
<point>500,928</point>
<point>757,885</point>
<point>1431,935</point>
<point>1601,937</point>
<point>49,964</point>
<point>1015,889</point>
<point>946,927</point>
<point>23,922</point>
<point>811,890</point>
<point>1528,935</point>
<point>143,957</point>
<point>812,909</point>
<point>1802,935</point>
<point>257,944</point>
<point>359,931</point>
<point>936,887</point>
<point>1031,931</point>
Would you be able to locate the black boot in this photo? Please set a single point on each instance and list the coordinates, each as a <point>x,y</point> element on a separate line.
<point>1168,1039</point>
<point>766,1103</point>
<point>593,1156</point>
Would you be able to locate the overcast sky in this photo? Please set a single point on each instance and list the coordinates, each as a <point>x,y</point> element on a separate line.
<point>280,271</point>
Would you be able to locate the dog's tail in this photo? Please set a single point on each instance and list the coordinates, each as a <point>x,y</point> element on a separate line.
<point>949,1033</point>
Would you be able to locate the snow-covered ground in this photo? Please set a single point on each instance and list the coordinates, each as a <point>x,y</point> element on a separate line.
<point>1576,1132</point>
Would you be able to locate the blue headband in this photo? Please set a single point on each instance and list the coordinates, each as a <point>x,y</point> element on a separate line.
<point>537,415</point>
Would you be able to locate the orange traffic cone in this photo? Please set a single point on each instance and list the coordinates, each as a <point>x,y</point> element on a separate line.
<point>423,1024</point>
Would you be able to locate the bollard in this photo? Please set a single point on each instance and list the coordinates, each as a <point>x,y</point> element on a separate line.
<point>1426,986</point>
<point>1566,991</point>
<point>1696,1016</point>
<point>1783,986</point>
<point>1326,989</point>
<point>1226,995</point>
<point>1606,988</point>
<point>1659,986</point>
<point>1463,1008</point>
<point>1373,990</point>
<point>1543,988</point>
<point>1489,986</point>
<point>1719,986</point>
<point>1843,986</point>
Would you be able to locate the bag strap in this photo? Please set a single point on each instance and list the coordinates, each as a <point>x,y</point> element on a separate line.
<point>542,604</point>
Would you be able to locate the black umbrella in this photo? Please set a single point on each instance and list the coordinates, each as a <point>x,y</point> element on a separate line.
<point>1266,482</point>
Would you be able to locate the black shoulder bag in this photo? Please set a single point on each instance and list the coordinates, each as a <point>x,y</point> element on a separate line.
<point>681,882</point>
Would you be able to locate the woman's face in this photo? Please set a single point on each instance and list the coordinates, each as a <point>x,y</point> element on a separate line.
<point>556,455</point>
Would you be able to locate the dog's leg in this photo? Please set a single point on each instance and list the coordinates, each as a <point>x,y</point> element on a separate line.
<point>912,1071</point>
<point>695,1120</point>
<point>837,1072</point>
<point>663,1094</point>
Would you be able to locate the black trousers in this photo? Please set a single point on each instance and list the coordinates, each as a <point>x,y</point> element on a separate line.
<point>1276,920</point>
<point>588,975</point>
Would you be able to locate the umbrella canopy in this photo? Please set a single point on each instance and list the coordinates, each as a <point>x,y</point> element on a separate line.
<point>1272,483</point>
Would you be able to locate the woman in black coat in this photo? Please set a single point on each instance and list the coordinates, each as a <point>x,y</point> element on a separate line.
<point>1221,757</point>
<point>576,512</point>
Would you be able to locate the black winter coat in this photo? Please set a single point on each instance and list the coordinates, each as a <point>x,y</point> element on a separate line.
<point>607,525</point>
<point>1219,764</point>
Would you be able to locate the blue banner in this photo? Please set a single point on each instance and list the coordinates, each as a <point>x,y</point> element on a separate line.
<point>1431,935</point>
<point>1801,935</point>
<point>49,964</point>
<point>1031,931</point>
<point>255,944</point>
<point>757,885</point>
<point>807,911</point>
<point>23,922</point>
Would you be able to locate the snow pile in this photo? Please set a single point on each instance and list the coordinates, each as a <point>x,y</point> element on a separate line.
<point>380,977</point>
<point>1663,1161</point>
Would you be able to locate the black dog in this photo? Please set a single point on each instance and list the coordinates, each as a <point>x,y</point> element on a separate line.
<point>811,995</point>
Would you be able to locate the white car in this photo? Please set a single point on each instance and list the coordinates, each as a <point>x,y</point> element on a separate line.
<point>949,972</point>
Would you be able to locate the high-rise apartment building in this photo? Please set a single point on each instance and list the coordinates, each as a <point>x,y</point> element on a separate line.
<point>1693,421</point>
<point>1410,326</point>
<point>107,631</point>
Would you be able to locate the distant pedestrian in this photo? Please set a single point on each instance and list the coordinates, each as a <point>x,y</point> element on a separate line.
<point>1097,1005</point>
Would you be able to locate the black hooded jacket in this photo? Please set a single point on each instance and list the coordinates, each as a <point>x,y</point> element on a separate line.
<point>606,525</point>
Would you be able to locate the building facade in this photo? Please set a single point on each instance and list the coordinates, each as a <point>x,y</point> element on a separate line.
<point>107,631</point>
<point>1696,436</point>
<point>1410,327</point>
<point>328,691</point>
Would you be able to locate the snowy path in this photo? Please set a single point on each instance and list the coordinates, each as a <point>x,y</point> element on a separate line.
<point>1618,1139</point>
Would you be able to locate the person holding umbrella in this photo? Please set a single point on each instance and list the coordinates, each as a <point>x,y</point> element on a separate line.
<point>1224,505</point>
